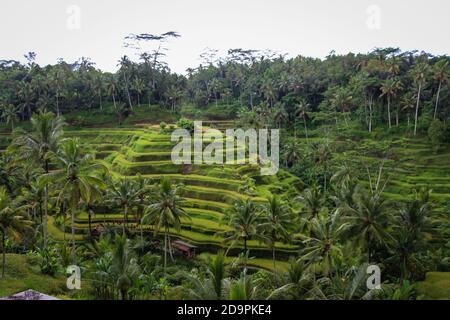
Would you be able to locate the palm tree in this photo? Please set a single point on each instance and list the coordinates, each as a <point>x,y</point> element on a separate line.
<point>348,285</point>
<point>276,219</point>
<point>292,153</point>
<point>39,145</point>
<point>125,194</point>
<point>268,91</point>
<point>111,88</point>
<point>212,287</point>
<point>165,212</point>
<point>342,101</point>
<point>138,85</point>
<point>313,200</point>
<point>10,115</point>
<point>144,185</point>
<point>279,114</point>
<point>322,245</point>
<point>419,73</point>
<point>76,174</point>
<point>415,216</point>
<point>441,75</point>
<point>173,95</point>
<point>368,220</point>
<point>97,87</point>
<point>244,219</point>
<point>125,69</point>
<point>26,94</point>
<point>302,110</point>
<point>298,281</point>
<point>389,88</point>
<point>242,288</point>
<point>408,104</point>
<point>124,266</point>
<point>13,221</point>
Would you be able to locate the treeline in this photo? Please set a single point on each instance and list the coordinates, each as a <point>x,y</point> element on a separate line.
<point>385,86</point>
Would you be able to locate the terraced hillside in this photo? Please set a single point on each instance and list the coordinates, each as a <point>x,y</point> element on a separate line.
<point>209,190</point>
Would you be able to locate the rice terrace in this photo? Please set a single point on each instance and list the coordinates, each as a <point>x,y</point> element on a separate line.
<point>254,175</point>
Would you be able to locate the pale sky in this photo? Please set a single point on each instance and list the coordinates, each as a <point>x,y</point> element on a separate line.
<point>310,28</point>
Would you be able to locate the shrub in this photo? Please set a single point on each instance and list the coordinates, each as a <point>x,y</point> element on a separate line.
<point>186,124</point>
<point>437,133</point>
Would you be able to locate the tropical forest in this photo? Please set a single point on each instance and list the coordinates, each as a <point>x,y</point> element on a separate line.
<point>359,208</point>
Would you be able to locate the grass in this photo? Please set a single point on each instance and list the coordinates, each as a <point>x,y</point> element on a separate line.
<point>23,273</point>
<point>259,263</point>
<point>436,286</point>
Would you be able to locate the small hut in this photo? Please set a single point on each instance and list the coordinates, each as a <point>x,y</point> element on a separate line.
<point>29,295</point>
<point>187,249</point>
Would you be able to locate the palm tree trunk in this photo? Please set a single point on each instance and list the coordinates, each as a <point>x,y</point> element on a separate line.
<point>57,103</point>
<point>89,222</point>
<point>306,129</point>
<point>125,220</point>
<point>45,222</point>
<point>389,110</point>
<point>3,254</point>
<point>417,109</point>
<point>165,250</point>
<point>114,101</point>
<point>74,256</point>
<point>437,100</point>
<point>245,254</point>
<point>273,257</point>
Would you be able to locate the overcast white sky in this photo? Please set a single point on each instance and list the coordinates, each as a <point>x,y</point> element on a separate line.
<point>311,28</point>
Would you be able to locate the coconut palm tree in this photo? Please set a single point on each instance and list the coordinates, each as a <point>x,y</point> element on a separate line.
<point>125,70</point>
<point>26,94</point>
<point>13,221</point>
<point>389,88</point>
<point>347,285</point>
<point>111,88</point>
<point>242,288</point>
<point>302,110</point>
<point>124,267</point>
<point>292,153</point>
<point>39,145</point>
<point>279,114</point>
<point>415,216</point>
<point>313,200</point>
<point>268,91</point>
<point>297,282</point>
<point>244,218</point>
<point>165,212</point>
<point>77,176</point>
<point>420,74</point>
<point>368,220</point>
<point>342,101</point>
<point>138,85</point>
<point>408,104</point>
<point>440,70</point>
<point>211,287</point>
<point>10,114</point>
<point>124,194</point>
<point>277,217</point>
<point>174,94</point>
<point>322,245</point>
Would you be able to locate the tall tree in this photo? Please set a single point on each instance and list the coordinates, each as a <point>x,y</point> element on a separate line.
<point>389,88</point>
<point>165,212</point>
<point>39,145</point>
<point>77,176</point>
<point>13,221</point>
<point>277,218</point>
<point>244,218</point>
<point>420,74</point>
<point>440,70</point>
